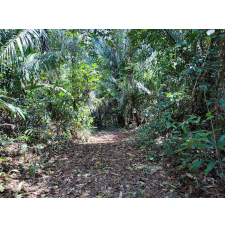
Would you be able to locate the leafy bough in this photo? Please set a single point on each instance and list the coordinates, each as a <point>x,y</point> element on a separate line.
<point>7,106</point>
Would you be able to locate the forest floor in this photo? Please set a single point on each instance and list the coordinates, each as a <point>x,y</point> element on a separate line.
<point>112,165</point>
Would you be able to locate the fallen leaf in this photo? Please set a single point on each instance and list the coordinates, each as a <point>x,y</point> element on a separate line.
<point>147,195</point>
<point>20,186</point>
<point>190,176</point>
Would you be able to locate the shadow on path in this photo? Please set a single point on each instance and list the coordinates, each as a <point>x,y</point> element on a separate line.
<point>112,165</point>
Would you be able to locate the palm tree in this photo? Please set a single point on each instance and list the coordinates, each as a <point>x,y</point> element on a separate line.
<point>14,47</point>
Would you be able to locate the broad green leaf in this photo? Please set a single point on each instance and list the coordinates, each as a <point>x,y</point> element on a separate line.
<point>221,145</point>
<point>195,166</point>
<point>184,135</point>
<point>222,35</point>
<point>99,196</point>
<point>177,132</point>
<point>208,114</point>
<point>187,154</point>
<point>220,140</point>
<point>211,139</point>
<point>208,156</point>
<point>180,149</point>
<point>220,116</point>
<point>168,124</point>
<point>210,117</point>
<point>210,167</point>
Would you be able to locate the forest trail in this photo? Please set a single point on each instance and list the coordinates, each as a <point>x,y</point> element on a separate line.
<point>79,80</point>
<point>111,166</point>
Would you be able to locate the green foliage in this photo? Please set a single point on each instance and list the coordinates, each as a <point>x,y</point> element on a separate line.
<point>170,81</point>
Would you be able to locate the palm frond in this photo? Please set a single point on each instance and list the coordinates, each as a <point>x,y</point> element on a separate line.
<point>39,62</point>
<point>140,86</point>
<point>23,40</point>
<point>123,101</point>
<point>14,109</point>
<point>112,79</point>
<point>93,102</point>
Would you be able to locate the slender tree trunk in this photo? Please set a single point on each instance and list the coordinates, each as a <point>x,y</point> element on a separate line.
<point>58,73</point>
<point>100,118</point>
<point>131,113</point>
<point>73,53</point>
<point>135,113</point>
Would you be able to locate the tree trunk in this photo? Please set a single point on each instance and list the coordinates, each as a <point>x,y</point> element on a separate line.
<point>135,113</point>
<point>99,119</point>
<point>131,113</point>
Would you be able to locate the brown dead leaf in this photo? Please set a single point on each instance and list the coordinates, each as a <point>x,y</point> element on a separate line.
<point>147,195</point>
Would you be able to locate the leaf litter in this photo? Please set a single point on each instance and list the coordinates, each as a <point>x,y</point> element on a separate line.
<point>100,169</point>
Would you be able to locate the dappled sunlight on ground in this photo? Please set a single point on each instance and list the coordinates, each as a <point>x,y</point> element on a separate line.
<point>112,165</point>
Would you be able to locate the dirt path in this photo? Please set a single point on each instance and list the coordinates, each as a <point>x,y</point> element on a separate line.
<point>112,165</point>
